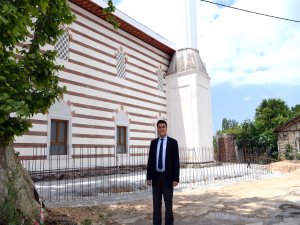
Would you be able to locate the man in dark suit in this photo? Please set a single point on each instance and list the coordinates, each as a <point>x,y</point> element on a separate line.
<point>163,173</point>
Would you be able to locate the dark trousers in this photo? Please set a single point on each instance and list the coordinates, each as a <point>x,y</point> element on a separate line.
<point>162,188</point>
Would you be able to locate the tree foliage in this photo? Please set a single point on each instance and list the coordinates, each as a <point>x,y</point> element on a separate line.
<point>259,134</point>
<point>29,85</point>
<point>247,135</point>
<point>28,76</point>
<point>228,124</point>
<point>271,113</point>
<point>295,111</point>
<point>109,16</point>
<point>29,81</point>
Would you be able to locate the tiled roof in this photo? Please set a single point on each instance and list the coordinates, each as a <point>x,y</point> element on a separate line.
<point>288,124</point>
<point>124,25</point>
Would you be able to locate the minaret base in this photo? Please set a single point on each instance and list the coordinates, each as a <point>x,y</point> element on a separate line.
<point>189,102</point>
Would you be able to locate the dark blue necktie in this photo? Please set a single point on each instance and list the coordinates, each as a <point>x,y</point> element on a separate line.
<point>160,156</point>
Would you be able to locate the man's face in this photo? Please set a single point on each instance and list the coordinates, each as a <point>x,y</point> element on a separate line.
<point>162,129</point>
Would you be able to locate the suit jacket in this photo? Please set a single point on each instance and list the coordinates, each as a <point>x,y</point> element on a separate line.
<point>172,164</point>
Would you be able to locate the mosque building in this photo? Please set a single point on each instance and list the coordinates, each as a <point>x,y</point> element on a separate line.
<point>119,83</point>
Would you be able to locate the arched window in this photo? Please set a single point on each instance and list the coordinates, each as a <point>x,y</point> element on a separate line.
<point>160,78</point>
<point>62,46</point>
<point>122,123</point>
<point>121,63</point>
<point>59,131</point>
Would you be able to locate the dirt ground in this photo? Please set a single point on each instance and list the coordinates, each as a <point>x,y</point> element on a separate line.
<point>270,201</point>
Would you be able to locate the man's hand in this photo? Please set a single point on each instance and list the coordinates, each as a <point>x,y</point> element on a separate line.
<point>149,182</point>
<point>175,183</point>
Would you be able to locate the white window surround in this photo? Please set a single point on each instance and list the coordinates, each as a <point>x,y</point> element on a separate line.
<point>122,120</point>
<point>60,111</point>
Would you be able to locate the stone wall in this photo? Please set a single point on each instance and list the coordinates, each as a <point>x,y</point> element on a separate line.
<point>291,136</point>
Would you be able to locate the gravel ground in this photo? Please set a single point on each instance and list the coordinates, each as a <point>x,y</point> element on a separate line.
<point>272,199</point>
<point>70,193</point>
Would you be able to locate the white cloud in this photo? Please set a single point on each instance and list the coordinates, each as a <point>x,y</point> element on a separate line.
<point>247,98</point>
<point>237,47</point>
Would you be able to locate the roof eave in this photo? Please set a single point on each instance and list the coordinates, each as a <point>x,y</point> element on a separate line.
<point>129,25</point>
<point>288,124</point>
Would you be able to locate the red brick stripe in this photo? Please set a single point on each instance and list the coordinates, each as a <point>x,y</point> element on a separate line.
<point>92,126</point>
<point>93,117</point>
<point>80,156</point>
<point>117,33</point>
<point>32,157</point>
<point>36,121</point>
<point>112,101</point>
<point>30,145</point>
<point>109,91</point>
<point>77,73</point>
<point>93,136</point>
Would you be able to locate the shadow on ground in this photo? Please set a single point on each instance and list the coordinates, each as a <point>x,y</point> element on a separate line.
<point>203,209</point>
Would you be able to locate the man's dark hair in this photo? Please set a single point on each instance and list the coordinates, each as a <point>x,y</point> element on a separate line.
<point>161,121</point>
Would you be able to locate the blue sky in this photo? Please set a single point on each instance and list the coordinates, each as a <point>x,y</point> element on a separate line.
<point>248,57</point>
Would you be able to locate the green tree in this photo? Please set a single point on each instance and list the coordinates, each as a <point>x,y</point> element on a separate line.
<point>229,124</point>
<point>225,124</point>
<point>28,78</point>
<point>270,114</point>
<point>28,85</point>
<point>295,111</point>
<point>258,136</point>
<point>246,137</point>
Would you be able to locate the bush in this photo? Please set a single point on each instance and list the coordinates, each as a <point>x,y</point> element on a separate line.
<point>298,155</point>
<point>289,152</point>
<point>274,154</point>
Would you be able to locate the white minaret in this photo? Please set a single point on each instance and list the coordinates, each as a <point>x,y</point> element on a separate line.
<point>187,24</point>
<point>188,88</point>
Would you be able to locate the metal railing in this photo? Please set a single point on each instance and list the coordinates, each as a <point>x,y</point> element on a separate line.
<point>96,172</point>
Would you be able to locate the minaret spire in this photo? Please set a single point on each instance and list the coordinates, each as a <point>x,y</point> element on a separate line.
<point>187,32</point>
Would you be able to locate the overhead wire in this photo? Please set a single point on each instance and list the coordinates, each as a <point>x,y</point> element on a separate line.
<point>249,11</point>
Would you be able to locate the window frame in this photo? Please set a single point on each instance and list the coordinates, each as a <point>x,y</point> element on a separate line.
<point>285,135</point>
<point>57,130</point>
<point>118,137</point>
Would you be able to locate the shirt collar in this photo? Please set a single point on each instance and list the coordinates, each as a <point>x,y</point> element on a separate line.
<point>164,138</point>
